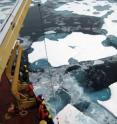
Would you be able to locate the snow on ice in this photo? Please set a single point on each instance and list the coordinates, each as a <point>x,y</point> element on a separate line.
<point>111,104</point>
<point>86,47</point>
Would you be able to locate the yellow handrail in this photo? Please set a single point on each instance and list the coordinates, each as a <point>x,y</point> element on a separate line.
<point>15,84</point>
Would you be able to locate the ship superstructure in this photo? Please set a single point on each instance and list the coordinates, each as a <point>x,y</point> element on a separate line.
<point>18,102</point>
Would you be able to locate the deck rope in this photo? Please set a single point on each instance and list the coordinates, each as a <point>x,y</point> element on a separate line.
<point>45,47</point>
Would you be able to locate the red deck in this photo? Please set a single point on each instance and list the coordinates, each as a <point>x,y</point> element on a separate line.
<point>6,98</point>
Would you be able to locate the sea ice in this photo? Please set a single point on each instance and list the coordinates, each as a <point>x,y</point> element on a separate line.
<point>71,115</point>
<point>87,47</point>
<point>106,10</point>
<point>85,7</point>
<point>111,104</point>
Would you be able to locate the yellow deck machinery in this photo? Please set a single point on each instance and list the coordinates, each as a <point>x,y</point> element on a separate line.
<point>11,53</point>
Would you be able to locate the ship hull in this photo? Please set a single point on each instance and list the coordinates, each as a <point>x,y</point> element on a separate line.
<point>6,98</point>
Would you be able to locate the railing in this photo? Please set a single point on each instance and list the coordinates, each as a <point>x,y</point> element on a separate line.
<point>6,24</point>
<point>10,31</point>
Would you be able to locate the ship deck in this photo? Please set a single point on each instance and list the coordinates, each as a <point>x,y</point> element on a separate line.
<point>6,98</point>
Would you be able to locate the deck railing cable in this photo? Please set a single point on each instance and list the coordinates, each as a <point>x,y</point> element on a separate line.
<point>45,47</point>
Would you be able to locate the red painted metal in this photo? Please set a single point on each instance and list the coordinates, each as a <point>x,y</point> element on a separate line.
<point>6,98</point>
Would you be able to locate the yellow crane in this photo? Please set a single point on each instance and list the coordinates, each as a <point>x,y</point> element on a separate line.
<point>10,61</point>
<point>11,52</point>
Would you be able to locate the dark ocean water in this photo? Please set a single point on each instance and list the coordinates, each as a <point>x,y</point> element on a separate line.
<point>70,90</point>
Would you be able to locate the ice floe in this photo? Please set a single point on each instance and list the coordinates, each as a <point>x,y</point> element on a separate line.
<point>111,104</point>
<point>85,7</point>
<point>38,1</point>
<point>104,9</point>
<point>70,115</point>
<point>42,1</point>
<point>86,47</point>
<point>110,23</point>
<point>98,62</point>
